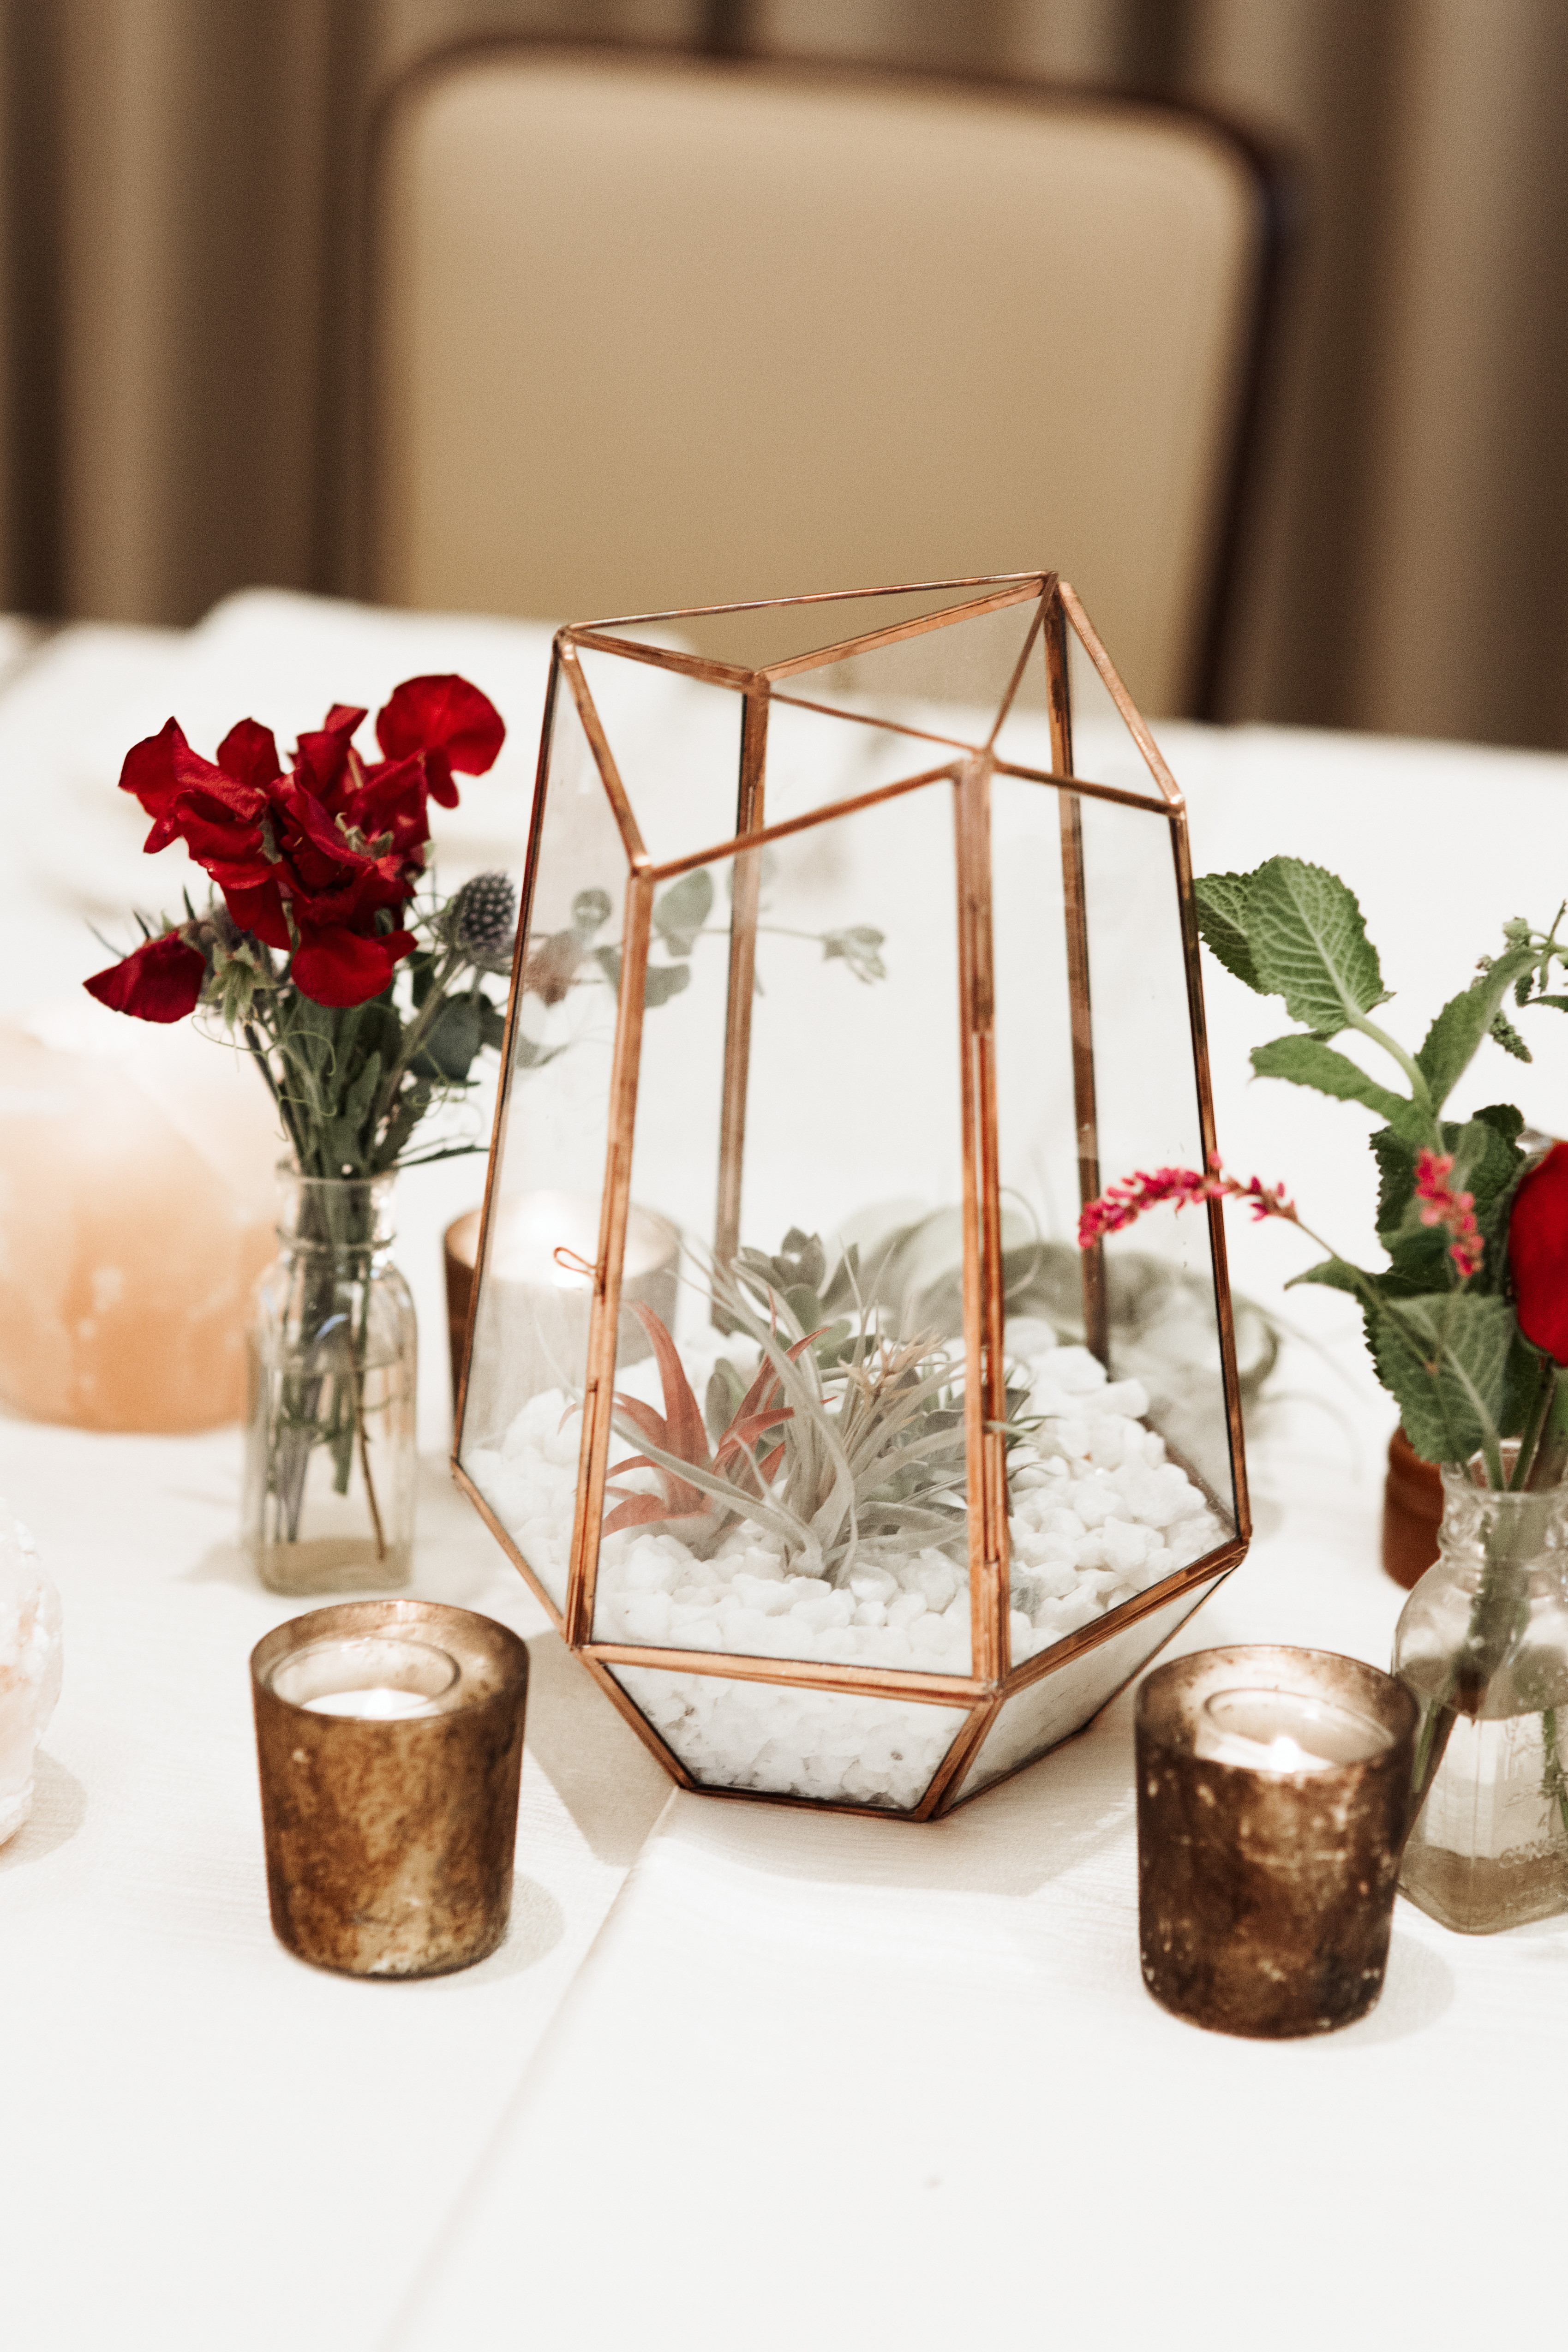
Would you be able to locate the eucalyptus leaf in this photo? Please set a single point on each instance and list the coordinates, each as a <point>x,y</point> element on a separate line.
<point>685,907</point>
<point>663,980</point>
<point>452,1042</point>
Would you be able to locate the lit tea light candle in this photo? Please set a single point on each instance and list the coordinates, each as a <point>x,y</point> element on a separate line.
<point>389,1742</point>
<point>1283,1731</point>
<point>532,1333</point>
<point>1265,1886</point>
<point>379,1703</point>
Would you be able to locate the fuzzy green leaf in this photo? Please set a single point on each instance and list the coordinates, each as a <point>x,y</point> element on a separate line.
<point>1308,1062</point>
<point>492,1025</point>
<point>1450,1043</point>
<point>1222,920</point>
<point>1309,945</point>
<point>1419,1360</point>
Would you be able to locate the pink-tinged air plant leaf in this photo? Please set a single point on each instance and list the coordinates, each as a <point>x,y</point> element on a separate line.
<point>679,1430</point>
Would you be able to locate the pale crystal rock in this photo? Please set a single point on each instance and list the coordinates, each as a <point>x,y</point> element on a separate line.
<point>136,1200</point>
<point>29,1667</point>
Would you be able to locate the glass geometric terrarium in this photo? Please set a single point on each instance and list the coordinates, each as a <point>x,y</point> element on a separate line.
<point>856,948</point>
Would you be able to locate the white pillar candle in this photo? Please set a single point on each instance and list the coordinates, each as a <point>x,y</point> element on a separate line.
<point>1283,1731</point>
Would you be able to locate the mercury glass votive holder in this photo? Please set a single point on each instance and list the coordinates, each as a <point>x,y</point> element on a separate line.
<point>1273,1801</point>
<point>389,1736</point>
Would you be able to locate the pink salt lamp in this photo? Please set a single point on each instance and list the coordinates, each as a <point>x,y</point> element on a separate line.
<point>136,1202</point>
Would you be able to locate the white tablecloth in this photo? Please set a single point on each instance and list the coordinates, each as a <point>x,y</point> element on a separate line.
<point>818,2081</point>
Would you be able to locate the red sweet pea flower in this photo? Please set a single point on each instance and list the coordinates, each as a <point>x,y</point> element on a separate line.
<point>160,981</point>
<point>158,771</point>
<point>450,721</point>
<point>1538,1254</point>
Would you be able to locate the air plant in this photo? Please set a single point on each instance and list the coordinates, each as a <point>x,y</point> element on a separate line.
<point>867,1438</point>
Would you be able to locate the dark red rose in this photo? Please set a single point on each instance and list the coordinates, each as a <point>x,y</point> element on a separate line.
<point>1538,1254</point>
<point>450,721</point>
<point>159,980</point>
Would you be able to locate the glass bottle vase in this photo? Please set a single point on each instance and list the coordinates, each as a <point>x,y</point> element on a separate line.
<point>330,1391</point>
<point>1482,1641</point>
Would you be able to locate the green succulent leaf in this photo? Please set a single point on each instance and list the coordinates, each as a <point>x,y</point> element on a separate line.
<point>1309,945</point>
<point>1222,921</point>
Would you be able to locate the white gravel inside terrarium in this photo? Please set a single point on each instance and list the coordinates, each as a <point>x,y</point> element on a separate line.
<point>1098,1515</point>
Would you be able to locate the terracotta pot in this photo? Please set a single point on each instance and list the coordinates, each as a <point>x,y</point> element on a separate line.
<point>1412,1513</point>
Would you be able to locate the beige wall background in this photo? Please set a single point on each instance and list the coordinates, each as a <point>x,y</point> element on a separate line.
<point>180,215</point>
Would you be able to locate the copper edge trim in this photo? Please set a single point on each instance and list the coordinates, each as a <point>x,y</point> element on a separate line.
<point>625,1705</point>
<point>599,1386</point>
<point>1092,1261</point>
<point>828,815</point>
<point>896,632</point>
<point>604,760</point>
<point>463,1480</point>
<point>1197,1024</point>
<point>982,1220</point>
<point>968,1796</point>
<point>750,809</point>
<point>1025,582</point>
<point>727,675</point>
<point>1212,1569</point>
<point>801,1674</point>
<point>513,1007</point>
<point>1137,725</point>
<point>956,1762</point>
<point>1021,665</point>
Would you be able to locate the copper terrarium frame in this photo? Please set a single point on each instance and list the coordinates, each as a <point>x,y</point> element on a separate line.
<point>971,770</point>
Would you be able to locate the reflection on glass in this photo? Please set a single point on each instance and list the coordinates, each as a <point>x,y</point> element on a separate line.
<point>783,1740</point>
<point>1049,1711</point>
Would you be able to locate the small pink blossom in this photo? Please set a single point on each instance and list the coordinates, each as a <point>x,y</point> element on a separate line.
<point>1122,1204</point>
<point>1441,1205</point>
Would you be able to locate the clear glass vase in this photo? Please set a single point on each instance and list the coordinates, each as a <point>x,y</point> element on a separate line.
<point>1483,1643</point>
<point>330,1419</point>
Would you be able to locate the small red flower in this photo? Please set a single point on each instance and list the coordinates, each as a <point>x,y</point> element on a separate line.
<point>1122,1204</point>
<point>159,980</point>
<point>1441,1205</point>
<point>1538,1254</point>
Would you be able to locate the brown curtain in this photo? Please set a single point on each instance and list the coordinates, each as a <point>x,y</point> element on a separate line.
<point>179,187</point>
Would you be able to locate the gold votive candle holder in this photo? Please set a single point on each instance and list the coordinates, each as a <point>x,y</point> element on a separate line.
<point>389,1737</point>
<point>1273,1801</point>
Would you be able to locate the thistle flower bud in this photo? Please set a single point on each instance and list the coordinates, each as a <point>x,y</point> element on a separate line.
<point>482,921</point>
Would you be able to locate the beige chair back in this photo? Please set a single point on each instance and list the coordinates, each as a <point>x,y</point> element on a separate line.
<point>653,332</point>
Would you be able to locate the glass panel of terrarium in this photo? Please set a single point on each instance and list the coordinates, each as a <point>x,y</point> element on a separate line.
<point>1090,1494</point>
<point>1160,1274</point>
<point>953,681</point>
<point>783,1739</point>
<point>521,1431</point>
<point>1103,747</point>
<point>825,1516</point>
<point>759,634</point>
<point>816,758</point>
<point>1044,1713</point>
<point>676,742</point>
